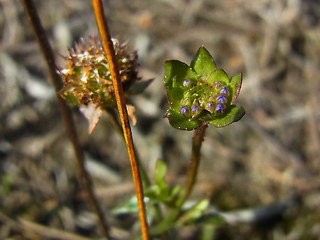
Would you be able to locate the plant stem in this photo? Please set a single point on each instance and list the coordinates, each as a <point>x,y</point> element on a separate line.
<point>65,111</point>
<point>197,140</point>
<point>174,213</point>
<point>117,85</point>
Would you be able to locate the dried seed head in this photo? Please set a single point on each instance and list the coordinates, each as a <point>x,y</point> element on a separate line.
<point>87,78</point>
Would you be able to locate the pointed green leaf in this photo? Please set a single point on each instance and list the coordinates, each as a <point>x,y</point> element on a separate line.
<point>175,74</point>
<point>174,69</point>
<point>160,173</point>
<point>203,63</point>
<point>179,121</point>
<point>235,113</point>
<point>235,84</point>
<point>193,213</point>
<point>219,76</point>
<point>152,192</point>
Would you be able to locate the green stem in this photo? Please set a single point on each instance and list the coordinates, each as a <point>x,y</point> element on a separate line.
<point>197,140</point>
<point>173,214</point>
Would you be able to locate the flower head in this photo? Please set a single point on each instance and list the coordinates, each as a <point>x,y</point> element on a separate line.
<point>86,77</point>
<point>200,93</point>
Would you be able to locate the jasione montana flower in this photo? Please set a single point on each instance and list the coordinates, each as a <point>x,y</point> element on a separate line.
<point>86,77</point>
<point>200,93</point>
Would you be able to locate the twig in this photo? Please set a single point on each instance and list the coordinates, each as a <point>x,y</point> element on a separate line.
<point>117,85</point>
<point>65,111</point>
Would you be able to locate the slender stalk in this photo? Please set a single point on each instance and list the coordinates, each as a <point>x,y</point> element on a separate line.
<point>65,111</point>
<point>197,140</point>
<point>174,213</point>
<point>117,85</point>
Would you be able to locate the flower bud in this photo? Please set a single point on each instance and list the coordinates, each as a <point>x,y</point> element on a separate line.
<point>195,109</point>
<point>221,98</point>
<point>184,110</point>
<point>87,78</point>
<point>224,90</point>
<point>186,82</point>
<point>220,108</point>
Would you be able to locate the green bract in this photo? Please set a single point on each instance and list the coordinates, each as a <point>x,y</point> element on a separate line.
<point>200,93</point>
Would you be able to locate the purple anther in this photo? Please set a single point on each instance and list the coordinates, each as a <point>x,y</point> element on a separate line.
<point>186,82</point>
<point>224,90</point>
<point>184,110</point>
<point>221,98</point>
<point>220,108</point>
<point>210,106</point>
<point>195,109</point>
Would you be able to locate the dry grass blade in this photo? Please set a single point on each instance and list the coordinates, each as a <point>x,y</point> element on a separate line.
<point>109,50</point>
<point>47,51</point>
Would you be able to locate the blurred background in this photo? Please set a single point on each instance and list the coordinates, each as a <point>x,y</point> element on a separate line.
<point>262,172</point>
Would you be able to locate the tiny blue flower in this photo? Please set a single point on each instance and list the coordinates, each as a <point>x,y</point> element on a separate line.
<point>220,108</point>
<point>224,90</point>
<point>184,110</point>
<point>195,109</point>
<point>221,98</point>
<point>186,82</point>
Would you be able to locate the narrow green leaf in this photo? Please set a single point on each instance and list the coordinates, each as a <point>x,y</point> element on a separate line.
<point>219,76</point>
<point>160,173</point>
<point>203,63</point>
<point>193,213</point>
